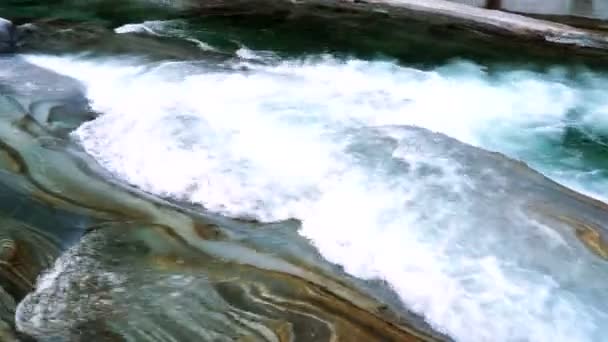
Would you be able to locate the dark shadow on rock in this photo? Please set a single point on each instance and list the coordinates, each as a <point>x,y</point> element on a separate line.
<point>7,36</point>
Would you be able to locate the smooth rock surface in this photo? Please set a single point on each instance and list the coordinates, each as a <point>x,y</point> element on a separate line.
<point>130,282</point>
<point>7,36</point>
<point>57,102</point>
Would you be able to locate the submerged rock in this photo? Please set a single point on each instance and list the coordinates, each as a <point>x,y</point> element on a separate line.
<point>62,37</point>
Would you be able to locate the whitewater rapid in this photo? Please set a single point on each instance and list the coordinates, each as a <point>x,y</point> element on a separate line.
<point>287,139</point>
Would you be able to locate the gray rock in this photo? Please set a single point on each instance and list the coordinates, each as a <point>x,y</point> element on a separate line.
<point>7,36</point>
<point>57,102</point>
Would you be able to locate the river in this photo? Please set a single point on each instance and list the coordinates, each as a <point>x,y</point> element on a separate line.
<point>408,175</point>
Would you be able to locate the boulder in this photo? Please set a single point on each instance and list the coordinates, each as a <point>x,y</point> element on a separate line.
<point>55,101</point>
<point>7,36</point>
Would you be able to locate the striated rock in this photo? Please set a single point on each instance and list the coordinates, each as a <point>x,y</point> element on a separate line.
<point>24,253</point>
<point>130,282</point>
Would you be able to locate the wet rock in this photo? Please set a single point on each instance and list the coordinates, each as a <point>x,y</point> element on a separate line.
<point>55,101</point>
<point>7,311</point>
<point>494,22</point>
<point>7,36</point>
<point>7,334</point>
<point>24,253</point>
<point>129,282</point>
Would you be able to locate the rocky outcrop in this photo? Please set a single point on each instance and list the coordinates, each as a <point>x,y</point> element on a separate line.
<point>57,102</point>
<point>490,21</point>
<point>7,36</point>
<point>155,293</point>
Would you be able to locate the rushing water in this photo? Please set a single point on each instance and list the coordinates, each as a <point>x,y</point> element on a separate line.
<point>319,138</point>
<point>369,153</point>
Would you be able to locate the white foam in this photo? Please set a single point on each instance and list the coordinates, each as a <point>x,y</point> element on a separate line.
<point>247,54</point>
<point>272,144</point>
<point>166,28</point>
<point>137,28</point>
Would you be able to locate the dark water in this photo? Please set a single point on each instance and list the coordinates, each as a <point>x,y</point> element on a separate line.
<point>289,33</point>
<point>101,12</point>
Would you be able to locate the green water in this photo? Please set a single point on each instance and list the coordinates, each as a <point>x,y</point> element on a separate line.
<point>101,12</point>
